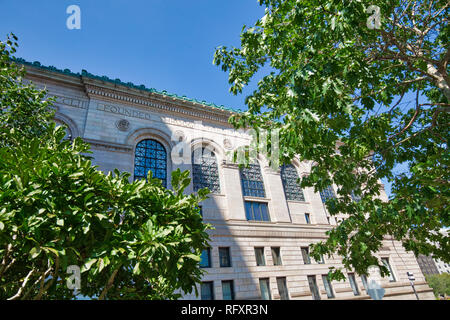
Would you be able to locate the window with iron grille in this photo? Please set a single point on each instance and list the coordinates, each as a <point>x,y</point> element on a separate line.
<point>205,172</point>
<point>327,193</point>
<point>150,155</point>
<point>291,187</point>
<point>252,182</point>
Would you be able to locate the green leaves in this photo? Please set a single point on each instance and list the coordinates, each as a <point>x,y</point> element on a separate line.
<point>333,81</point>
<point>57,210</point>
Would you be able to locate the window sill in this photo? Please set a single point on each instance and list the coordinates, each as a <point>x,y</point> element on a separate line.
<point>257,199</point>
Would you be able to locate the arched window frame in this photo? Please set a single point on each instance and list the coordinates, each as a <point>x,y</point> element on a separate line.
<point>154,157</point>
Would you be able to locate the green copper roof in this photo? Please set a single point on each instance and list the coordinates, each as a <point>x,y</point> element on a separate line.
<point>85,73</point>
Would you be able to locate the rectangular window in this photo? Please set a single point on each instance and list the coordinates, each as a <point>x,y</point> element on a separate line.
<point>351,278</point>
<point>264,286</point>
<point>256,211</point>
<point>307,218</point>
<point>224,257</point>
<point>259,254</point>
<point>276,256</point>
<point>201,210</point>
<point>228,290</point>
<point>313,287</point>
<point>328,287</point>
<point>282,288</point>
<point>207,290</point>
<point>205,261</point>
<point>321,261</point>
<point>305,255</point>
<point>364,282</point>
<point>388,266</point>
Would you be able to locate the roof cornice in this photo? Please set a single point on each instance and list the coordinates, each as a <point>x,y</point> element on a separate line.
<point>104,87</point>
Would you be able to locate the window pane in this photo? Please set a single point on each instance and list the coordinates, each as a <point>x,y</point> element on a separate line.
<point>291,187</point>
<point>308,221</point>
<point>224,257</point>
<point>256,211</point>
<point>276,256</point>
<point>205,261</point>
<point>227,290</point>
<point>265,289</point>
<point>252,183</point>
<point>388,266</point>
<point>207,292</point>
<point>313,287</point>
<point>305,255</point>
<point>150,155</point>
<point>259,253</point>
<point>205,172</point>
<point>364,281</point>
<point>264,212</point>
<point>328,287</point>
<point>249,210</point>
<point>282,289</point>
<point>351,278</point>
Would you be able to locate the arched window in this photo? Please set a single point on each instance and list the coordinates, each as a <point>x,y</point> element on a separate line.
<point>252,182</point>
<point>205,172</point>
<point>150,155</point>
<point>291,187</point>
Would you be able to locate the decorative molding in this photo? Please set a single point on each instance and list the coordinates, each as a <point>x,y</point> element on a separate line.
<point>99,92</point>
<point>109,146</point>
<point>123,125</point>
<point>71,102</point>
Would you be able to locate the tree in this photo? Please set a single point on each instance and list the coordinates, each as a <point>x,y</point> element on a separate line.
<point>440,284</point>
<point>337,75</point>
<point>132,240</point>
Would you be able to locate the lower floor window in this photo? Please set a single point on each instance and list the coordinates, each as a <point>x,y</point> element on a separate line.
<point>207,290</point>
<point>264,286</point>
<point>282,288</point>
<point>228,290</point>
<point>328,287</point>
<point>313,287</point>
<point>351,278</point>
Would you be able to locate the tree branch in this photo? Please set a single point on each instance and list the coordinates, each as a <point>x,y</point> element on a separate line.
<point>109,284</point>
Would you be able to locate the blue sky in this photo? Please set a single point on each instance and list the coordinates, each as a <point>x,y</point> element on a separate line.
<point>163,44</point>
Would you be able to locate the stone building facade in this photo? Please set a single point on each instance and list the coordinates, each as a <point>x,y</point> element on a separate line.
<point>262,226</point>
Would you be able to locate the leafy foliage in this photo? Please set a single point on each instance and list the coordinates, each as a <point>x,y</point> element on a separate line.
<point>336,89</point>
<point>440,284</point>
<point>132,240</point>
